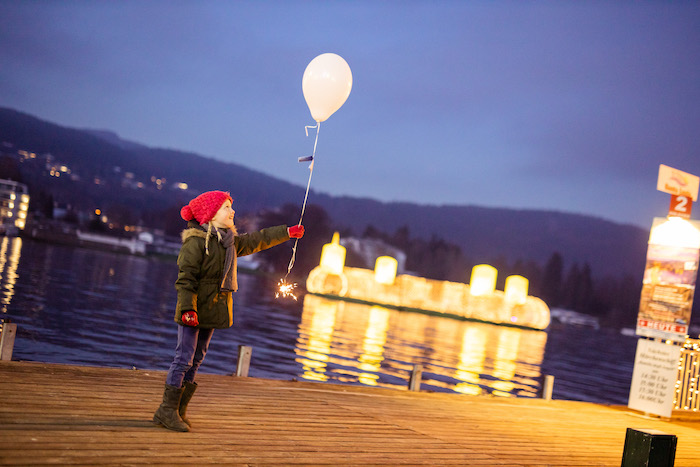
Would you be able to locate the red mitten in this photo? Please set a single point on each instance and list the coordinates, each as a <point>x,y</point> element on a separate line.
<point>189,318</point>
<point>296,231</point>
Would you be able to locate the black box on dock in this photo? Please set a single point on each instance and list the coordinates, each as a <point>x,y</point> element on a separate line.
<point>649,448</point>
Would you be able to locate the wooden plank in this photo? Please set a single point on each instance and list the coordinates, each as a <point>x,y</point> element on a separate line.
<point>101,416</point>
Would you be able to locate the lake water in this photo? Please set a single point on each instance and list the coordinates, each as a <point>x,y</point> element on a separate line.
<point>90,307</point>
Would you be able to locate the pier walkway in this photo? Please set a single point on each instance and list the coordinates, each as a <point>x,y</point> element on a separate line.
<point>74,415</point>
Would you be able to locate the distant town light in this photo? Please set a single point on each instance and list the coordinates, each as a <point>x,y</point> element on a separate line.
<point>97,212</point>
<point>182,186</point>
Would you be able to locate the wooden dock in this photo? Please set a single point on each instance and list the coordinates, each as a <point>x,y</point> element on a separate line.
<point>73,415</point>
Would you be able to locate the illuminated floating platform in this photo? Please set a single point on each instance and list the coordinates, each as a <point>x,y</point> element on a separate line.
<point>478,302</point>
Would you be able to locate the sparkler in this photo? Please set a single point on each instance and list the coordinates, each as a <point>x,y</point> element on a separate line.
<point>285,289</point>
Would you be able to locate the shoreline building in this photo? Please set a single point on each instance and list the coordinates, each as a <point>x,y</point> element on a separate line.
<point>14,204</point>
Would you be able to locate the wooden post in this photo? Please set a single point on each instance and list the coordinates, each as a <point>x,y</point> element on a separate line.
<point>243,365</point>
<point>7,341</point>
<point>548,387</point>
<point>416,376</point>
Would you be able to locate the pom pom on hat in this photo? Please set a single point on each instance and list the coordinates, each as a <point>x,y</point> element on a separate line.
<point>203,208</point>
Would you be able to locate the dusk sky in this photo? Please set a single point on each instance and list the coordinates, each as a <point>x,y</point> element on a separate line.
<point>557,105</point>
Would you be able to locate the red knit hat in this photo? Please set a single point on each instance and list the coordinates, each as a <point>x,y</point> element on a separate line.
<point>204,207</point>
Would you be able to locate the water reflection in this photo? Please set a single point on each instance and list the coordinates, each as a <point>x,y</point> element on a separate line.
<point>10,252</point>
<point>471,361</point>
<point>91,307</point>
<point>85,306</point>
<point>316,340</point>
<point>376,346</point>
<point>373,345</point>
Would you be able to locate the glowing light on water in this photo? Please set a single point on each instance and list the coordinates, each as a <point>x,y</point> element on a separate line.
<point>333,256</point>
<point>483,281</point>
<point>10,252</point>
<point>477,300</point>
<point>516,290</point>
<point>385,270</point>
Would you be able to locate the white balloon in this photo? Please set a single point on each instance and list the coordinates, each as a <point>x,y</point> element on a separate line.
<point>326,85</point>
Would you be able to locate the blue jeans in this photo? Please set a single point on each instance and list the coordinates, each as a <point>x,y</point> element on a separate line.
<point>192,346</point>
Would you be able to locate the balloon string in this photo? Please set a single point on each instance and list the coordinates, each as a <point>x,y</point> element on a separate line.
<point>306,196</point>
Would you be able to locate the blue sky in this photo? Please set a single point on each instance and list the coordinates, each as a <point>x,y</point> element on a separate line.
<point>567,106</point>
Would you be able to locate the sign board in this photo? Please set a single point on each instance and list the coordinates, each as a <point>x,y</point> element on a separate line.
<point>654,377</point>
<point>681,206</point>
<point>668,288</point>
<point>676,182</point>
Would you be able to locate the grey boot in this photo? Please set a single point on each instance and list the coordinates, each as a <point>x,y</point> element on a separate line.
<point>167,414</point>
<point>187,392</point>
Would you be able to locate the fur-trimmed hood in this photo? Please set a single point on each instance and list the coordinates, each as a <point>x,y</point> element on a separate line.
<point>198,231</point>
<point>193,232</point>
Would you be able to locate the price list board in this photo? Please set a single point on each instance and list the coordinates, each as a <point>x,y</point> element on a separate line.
<point>654,377</point>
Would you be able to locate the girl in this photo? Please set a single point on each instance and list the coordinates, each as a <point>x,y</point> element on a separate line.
<point>207,277</point>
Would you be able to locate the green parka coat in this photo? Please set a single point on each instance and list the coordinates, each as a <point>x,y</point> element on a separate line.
<point>198,283</point>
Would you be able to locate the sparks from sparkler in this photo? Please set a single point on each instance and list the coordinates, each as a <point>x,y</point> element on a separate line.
<point>285,289</point>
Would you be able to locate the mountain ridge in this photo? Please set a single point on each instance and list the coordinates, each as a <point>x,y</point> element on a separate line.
<point>485,234</point>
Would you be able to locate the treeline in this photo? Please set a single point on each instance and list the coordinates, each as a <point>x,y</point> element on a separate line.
<point>614,300</point>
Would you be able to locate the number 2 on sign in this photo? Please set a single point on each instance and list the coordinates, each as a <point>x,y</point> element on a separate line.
<point>680,206</point>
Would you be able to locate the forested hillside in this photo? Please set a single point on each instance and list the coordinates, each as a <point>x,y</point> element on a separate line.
<point>572,260</point>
